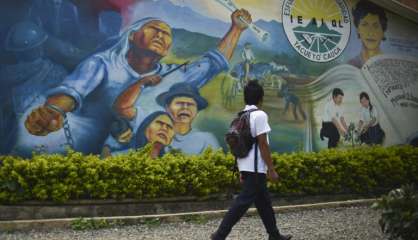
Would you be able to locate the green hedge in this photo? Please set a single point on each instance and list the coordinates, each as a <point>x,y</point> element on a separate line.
<point>135,175</point>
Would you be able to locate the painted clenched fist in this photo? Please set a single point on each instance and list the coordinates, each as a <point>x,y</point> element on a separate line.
<point>237,19</point>
<point>44,120</point>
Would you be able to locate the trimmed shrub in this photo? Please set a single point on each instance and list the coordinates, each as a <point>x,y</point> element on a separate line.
<point>135,175</point>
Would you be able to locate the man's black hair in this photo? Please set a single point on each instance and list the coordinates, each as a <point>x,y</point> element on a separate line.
<point>365,7</point>
<point>336,92</point>
<point>253,93</point>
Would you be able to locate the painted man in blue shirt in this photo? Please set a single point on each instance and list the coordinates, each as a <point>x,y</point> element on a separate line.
<point>89,93</point>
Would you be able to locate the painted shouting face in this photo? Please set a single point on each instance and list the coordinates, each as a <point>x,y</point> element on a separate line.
<point>183,109</point>
<point>155,36</point>
<point>160,130</point>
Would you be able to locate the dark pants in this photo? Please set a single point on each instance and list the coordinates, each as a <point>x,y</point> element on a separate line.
<point>330,131</point>
<point>253,191</point>
<point>373,135</point>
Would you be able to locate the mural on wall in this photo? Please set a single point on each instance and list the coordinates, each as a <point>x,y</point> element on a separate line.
<point>104,77</point>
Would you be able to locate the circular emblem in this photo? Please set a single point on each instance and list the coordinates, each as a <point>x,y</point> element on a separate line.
<point>318,30</point>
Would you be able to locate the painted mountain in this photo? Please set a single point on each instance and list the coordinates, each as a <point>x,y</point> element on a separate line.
<point>181,17</point>
<point>319,39</point>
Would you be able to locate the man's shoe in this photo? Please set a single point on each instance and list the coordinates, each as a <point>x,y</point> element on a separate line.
<point>214,236</point>
<point>281,237</point>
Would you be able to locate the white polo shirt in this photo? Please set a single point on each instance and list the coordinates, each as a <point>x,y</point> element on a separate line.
<point>259,125</point>
<point>331,111</point>
<point>366,115</point>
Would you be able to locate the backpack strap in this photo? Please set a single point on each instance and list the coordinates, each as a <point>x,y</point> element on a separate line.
<point>255,148</point>
<point>248,111</point>
<point>256,157</point>
<point>256,142</point>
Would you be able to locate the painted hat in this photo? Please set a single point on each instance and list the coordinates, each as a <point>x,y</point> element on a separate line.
<point>25,36</point>
<point>182,90</point>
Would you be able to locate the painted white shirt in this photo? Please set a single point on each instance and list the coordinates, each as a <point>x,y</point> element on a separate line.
<point>247,55</point>
<point>366,115</point>
<point>332,111</point>
<point>258,125</point>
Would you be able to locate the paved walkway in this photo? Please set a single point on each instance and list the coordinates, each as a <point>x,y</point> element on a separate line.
<point>340,223</point>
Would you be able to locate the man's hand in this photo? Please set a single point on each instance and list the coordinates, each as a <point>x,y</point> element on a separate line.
<point>237,22</point>
<point>44,120</point>
<point>342,132</point>
<point>272,175</point>
<point>151,80</point>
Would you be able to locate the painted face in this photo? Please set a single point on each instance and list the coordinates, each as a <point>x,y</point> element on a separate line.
<point>126,136</point>
<point>338,99</point>
<point>370,31</point>
<point>160,130</point>
<point>183,109</point>
<point>364,102</point>
<point>154,36</point>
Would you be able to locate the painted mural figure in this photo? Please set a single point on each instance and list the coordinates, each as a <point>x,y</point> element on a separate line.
<point>92,89</point>
<point>261,71</point>
<point>371,23</point>
<point>11,12</point>
<point>157,129</point>
<point>183,101</point>
<point>291,98</point>
<point>60,19</point>
<point>25,83</point>
<point>248,57</point>
<point>333,123</point>
<point>368,126</point>
<point>73,27</point>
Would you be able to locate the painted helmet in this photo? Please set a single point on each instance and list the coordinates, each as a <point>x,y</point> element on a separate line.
<point>25,36</point>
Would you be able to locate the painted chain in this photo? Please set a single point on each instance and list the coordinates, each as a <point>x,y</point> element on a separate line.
<point>67,129</point>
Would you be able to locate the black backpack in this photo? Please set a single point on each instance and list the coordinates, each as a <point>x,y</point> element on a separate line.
<point>238,137</point>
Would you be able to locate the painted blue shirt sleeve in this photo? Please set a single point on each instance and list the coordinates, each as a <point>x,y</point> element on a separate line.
<point>199,72</point>
<point>116,146</point>
<point>85,79</point>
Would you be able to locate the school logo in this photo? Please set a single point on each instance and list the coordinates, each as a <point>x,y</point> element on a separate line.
<point>318,30</point>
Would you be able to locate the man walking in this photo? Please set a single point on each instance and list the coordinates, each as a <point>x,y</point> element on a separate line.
<point>254,182</point>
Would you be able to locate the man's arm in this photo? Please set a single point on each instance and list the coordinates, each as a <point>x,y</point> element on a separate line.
<point>229,42</point>
<point>360,126</point>
<point>64,102</point>
<point>124,105</point>
<point>345,127</point>
<point>65,98</point>
<point>338,125</point>
<point>201,71</point>
<point>266,155</point>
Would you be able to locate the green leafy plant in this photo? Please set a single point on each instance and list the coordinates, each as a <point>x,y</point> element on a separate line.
<point>135,175</point>
<point>399,213</point>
